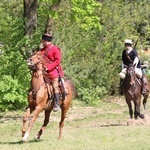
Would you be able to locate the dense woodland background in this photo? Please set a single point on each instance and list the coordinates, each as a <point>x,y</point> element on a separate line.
<point>90,33</point>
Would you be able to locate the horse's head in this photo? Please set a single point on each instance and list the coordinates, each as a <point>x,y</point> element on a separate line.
<point>34,62</point>
<point>131,75</point>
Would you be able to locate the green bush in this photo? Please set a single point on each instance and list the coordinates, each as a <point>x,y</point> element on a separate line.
<point>92,95</point>
<point>11,93</point>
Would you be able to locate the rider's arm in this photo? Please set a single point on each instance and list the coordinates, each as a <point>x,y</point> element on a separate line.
<point>55,56</point>
<point>122,65</point>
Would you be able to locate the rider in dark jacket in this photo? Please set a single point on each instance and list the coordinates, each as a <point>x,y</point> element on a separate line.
<point>130,57</point>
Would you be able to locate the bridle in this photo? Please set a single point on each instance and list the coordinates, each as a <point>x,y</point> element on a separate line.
<point>131,81</point>
<point>33,63</point>
<point>131,75</point>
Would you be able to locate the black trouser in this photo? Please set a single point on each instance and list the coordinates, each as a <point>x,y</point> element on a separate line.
<point>120,87</point>
<point>57,99</point>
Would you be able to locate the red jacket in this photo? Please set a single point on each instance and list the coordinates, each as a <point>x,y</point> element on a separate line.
<point>53,54</point>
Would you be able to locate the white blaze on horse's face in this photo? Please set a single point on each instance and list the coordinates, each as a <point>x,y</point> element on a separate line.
<point>32,61</point>
<point>132,76</point>
<point>29,61</point>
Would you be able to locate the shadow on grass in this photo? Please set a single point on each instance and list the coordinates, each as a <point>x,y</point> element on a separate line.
<point>8,118</point>
<point>103,125</point>
<point>21,142</point>
<point>109,125</point>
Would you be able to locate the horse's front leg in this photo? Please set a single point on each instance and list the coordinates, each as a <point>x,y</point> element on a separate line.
<point>136,111</point>
<point>46,121</point>
<point>137,104</point>
<point>25,119</point>
<point>128,101</point>
<point>38,109</point>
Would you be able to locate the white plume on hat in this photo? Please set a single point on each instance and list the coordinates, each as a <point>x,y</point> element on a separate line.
<point>128,41</point>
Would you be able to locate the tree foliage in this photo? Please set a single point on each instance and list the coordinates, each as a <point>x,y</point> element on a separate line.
<point>90,34</point>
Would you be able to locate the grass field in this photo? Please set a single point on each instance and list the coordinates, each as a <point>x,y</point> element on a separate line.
<point>86,128</point>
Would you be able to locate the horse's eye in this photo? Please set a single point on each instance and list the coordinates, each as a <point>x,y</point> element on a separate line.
<point>29,60</point>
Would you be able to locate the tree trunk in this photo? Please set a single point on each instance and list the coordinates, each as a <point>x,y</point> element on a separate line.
<point>50,21</point>
<point>30,16</point>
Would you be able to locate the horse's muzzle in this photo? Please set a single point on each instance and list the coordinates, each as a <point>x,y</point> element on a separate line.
<point>132,84</point>
<point>30,64</point>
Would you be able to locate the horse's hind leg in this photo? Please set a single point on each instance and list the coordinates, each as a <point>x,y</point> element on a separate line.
<point>46,121</point>
<point>25,119</point>
<point>145,101</point>
<point>63,116</point>
<point>64,108</point>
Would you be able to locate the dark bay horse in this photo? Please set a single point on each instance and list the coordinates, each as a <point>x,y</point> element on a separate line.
<point>132,90</point>
<point>39,99</point>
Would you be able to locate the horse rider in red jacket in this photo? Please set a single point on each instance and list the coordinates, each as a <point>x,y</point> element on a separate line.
<point>53,67</point>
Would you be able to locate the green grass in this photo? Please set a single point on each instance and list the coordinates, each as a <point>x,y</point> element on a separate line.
<point>86,128</point>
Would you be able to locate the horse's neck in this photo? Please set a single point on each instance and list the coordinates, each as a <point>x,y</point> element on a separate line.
<point>129,80</point>
<point>37,79</point>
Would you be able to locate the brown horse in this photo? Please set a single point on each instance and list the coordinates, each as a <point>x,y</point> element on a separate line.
<point>40,97</point>
<point>132,90</point>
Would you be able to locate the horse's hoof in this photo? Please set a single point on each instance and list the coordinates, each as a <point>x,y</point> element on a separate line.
<point>24,139</point>
<point>141,116</point>
<point>37,137</point>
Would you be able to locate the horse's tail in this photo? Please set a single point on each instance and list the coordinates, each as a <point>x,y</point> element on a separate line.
<point>73,89</point>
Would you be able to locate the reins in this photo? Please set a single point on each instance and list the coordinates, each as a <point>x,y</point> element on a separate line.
<point>132,82</point>
<point>34,92</point>
<point>136,79</point>
<point>34,73</point>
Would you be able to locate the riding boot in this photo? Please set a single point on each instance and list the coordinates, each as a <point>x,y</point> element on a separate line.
<point>120,87</point>
<point>143,80</point>
<point>57,104</point>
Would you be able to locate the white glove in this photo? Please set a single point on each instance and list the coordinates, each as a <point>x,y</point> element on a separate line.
<point>136,61</point>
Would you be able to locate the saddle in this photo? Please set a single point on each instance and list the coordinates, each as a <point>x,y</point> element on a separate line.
<point>62,89</point>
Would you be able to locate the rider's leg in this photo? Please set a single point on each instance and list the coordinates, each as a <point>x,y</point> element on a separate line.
<point>122,77</point>
<point>55,85</point>
<point>57,103</point>
<point>120,87</point>
<point>144,82</point>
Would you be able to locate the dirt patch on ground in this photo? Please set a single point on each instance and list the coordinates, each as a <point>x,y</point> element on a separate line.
<point>112,112</point>
<point>145,121</point>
